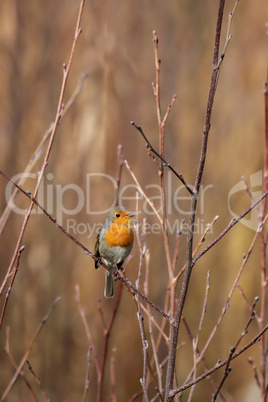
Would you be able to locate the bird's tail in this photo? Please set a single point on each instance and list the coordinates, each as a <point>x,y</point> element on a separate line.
<point>109,285</point>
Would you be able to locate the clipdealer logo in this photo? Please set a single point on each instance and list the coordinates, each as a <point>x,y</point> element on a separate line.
<point>53,198</point>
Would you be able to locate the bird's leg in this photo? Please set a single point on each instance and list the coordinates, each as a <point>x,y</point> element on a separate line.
<point>120,269</point>
<point>116,276</point>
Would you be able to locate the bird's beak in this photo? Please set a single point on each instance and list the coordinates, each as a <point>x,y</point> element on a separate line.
<point>131,214</point>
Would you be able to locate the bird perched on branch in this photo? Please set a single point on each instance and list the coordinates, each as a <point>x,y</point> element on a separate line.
<point>114,243</point>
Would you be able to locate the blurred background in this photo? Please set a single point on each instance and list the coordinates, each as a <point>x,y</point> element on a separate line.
<point>116,50</point>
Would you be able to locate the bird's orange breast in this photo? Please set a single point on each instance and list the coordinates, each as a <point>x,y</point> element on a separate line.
<point>119,235</point>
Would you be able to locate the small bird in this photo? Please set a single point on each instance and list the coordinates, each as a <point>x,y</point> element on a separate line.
<point>114,243</point>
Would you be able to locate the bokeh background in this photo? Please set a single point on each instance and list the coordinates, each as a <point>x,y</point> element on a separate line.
<point>115,49</point>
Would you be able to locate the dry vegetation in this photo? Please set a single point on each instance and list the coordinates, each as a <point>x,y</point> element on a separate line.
<point>195,286</point>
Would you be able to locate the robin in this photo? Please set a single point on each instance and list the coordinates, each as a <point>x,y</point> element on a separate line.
<point>114,243</point>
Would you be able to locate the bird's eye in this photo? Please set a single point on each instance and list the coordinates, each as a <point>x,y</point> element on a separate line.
<point>117,215</point>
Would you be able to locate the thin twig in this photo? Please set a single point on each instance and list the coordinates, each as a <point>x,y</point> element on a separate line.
<point>14,364</point>
<point>174,97</point>
<point>150,320</point>
<point>254,368</point>
<point>37,379</point>
<point>88,333</point>
<point>87,381</point>
<point>228,34</point>
<point>196,339</point>
<point>145,352</point>
<point>151,149</point>
<point>204,309</point>
<point>112,370</point>
<point>30,346</point>
<point>203,237</point>
<point>15,270</point>
<point>102,315</point>
<point>140,241</point>
<point>147,300</point>
<point>243,294</point>
<point>176,249</point>
<point>159,328</point>
<point>226,373</point>
<point>120,158</point>
<point>201,241</point>
<point>17,247</point>
<point>142,192</point>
